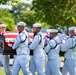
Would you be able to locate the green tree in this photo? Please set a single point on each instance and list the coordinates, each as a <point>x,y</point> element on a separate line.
<point>8,1</point>
<point>18,8</point>
<point>28,17</point>
<point>21,12</point>
<point>3,1</point>
<point>6,18</point>
<point>55,11</point>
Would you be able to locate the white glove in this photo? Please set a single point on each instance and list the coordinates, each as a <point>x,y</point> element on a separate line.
<point>10,45</point>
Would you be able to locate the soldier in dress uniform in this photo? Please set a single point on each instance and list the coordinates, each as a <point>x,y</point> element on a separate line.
<point>22,50</point>
<point>70,53</point>
<point>47,39</point>
<point>52,50</point>
<point>38,59</point>
<point>4,59</point>
<point>58,28</point>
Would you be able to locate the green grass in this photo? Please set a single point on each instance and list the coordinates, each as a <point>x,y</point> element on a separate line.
<point>62,58</point>
<point>3,73</point>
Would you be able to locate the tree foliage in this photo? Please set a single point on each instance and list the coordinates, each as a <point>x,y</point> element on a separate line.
<point>55,11</point>
<point>6,18</point>
<point>8,1</point>
<point>3,1</point>
<point>28,17</point>
<point>21,12</point>
<point>17,8</point>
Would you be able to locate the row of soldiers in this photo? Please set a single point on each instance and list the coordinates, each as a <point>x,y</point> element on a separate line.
<point>38,61</point>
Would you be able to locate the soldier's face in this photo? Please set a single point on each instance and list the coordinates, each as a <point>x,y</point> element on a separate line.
<point>20,28</point>
<point>75,32</point>
<point>2,29</point>
<point>52,35</point>
<point>35,29</point>
<point>72,32</point>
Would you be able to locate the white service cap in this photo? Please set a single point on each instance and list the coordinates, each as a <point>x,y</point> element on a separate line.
<point>36,25</point>
<point>53,31</point>
<point>48,30</point>
<point>72,28</point>
<point>2,25</point>
<point>21,24</point>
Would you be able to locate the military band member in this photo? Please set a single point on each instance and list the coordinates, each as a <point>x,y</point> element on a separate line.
<point>38,59</point>
<point>52,50</point>
<point>4,59</point>
<point>70,53</point>
<point>22,50</point>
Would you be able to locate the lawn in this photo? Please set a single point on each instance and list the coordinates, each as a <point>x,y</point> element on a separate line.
<point>62,58</point>
<point>3,73</point>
